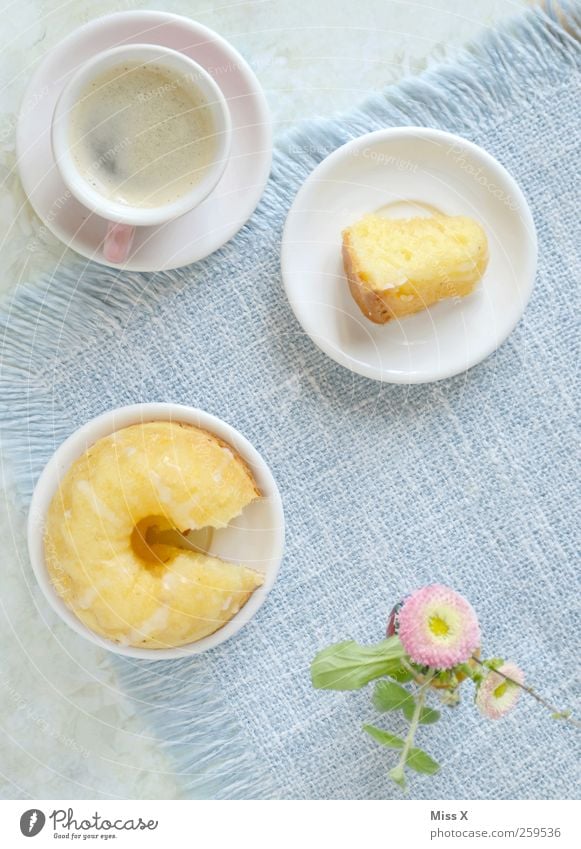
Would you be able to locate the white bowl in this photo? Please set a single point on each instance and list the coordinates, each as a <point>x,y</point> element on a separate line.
<point>400,173</point>
<point>256,537</point>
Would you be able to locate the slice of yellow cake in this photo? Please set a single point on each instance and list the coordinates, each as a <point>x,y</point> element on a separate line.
<point>396,267</point>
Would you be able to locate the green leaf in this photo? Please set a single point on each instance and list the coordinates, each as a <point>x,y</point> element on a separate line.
<point>427,715</point>
<point>390,696</point>
<point>396,774</point>
<point>402,675</point>
<point>384,737</point>
<point>349,666</point>
<point>420,761</point>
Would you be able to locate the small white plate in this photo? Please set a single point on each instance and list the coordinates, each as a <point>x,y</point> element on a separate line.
<point>207,227</point>
<point>255,538</point>
<point>400,173</point>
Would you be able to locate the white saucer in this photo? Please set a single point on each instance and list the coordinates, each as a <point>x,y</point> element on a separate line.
<point>400,173</point>
<point>210,225</point>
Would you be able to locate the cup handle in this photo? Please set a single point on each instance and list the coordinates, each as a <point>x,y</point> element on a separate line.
<point>118,242</point>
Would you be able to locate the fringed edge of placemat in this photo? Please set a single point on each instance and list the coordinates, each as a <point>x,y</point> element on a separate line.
<point>178,699</point>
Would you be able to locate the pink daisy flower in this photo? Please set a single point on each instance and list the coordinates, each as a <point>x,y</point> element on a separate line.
<point>437,627</point>
<point>496,696</point>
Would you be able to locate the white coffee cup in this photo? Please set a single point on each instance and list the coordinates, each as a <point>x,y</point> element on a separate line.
<point>123,218</point>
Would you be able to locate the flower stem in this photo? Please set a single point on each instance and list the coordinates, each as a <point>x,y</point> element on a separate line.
<point>407,666</point>
<point>561,714</point>
<point>409,740</point>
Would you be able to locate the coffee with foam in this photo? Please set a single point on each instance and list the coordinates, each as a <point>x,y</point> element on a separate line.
<point>142,135</point>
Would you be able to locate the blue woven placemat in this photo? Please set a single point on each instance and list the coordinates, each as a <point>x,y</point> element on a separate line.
<point>470,482</point>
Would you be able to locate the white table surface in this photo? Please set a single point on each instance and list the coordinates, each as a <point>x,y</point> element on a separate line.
<point>69,732</point>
